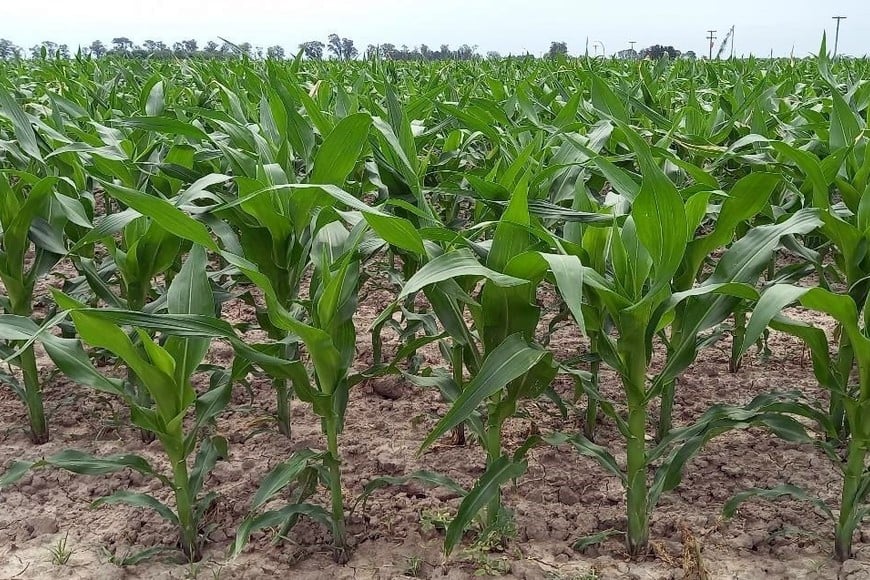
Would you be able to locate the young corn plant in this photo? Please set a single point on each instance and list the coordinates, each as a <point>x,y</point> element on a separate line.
<point>331,339</point>
<point>511,368</point>
<point>638,299</point>
<point>848,452</point>
<point>276,230</point>
<point>33,215</point>
<point>165,370</point>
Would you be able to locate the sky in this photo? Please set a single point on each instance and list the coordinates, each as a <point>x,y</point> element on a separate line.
<point>505,26</point>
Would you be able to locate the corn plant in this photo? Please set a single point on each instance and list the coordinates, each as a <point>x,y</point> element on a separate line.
<point>507,366</point>
<point>331,338</point>
<point>277,231</point>
<point>638,298</point>
<point>165,370</point>
<point>853,396</point>
<point>33,216</point>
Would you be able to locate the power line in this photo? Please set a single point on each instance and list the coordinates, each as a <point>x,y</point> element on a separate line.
<point>711,37</point>
<point>837,34</point>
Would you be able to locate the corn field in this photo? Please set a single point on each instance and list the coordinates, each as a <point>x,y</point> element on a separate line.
<point>264,316</point>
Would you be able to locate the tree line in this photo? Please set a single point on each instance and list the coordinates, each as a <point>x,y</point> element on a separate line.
<point>336,47</point>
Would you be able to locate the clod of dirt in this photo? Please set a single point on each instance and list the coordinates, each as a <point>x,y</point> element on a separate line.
<point>42,525</point>
<point>854,570</point>
<point>568,496</point>
<point>388,388</point>
<point>388,461</point>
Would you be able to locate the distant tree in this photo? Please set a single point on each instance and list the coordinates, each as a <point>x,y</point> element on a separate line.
<point>627,54</point>
<point>155,48</point>
<point>45,49</point>
<point>335,46</point>
<point>466,52</point>
<point>211,48</point>
<point>190,46</point>
<point>63,50</point>
<point>122,44</point>
<point>389,51</point>
<point>444,52</point>
<point>372,51</point>
<point>690,54</point>
<point>312,50</point>
<point>493,55</point>
<point>557,49</point>
<point>275,52</point>
<point>341,48</point>
<point>425,52</point>
<point>658,51</point>
<point>245,47</point>
<point>350,51</point>
<point>9,50</point>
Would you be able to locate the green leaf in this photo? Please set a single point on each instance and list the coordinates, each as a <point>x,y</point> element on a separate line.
<point>425,477</point>
<point>508,361</point>
<point>211,450</point>
<point>21,126</point>
<point>777,492</point>
<point>163,213</point>
<point>273,519</point>
<point>283,475</point>
<point>497,474</point>
<point>142,500</point>
<point>341,150</point>
<point>166,125</point>
<point>452,265</point>
<point>659,215</point>
<point>189,293</point>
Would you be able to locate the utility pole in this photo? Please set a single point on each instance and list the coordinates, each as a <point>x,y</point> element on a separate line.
<point>711,37</point>
<point>632,43</point>
<point>837,34</point>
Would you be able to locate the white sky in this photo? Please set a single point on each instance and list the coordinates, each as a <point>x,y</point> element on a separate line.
<point>507,26</point>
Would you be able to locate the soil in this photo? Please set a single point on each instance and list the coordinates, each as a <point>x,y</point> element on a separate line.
<point>562,497</point>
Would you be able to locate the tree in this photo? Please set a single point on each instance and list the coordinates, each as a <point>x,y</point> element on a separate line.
<point>9,50</point>
<point>97,49</point>
<point>350,51</point>
<point>155,48</point>
<point>46,46</point>
<point>275,52</point>
<point>211,48</point>
<point>245,48</point>
<point>493,55</point>
<point>466,52</point>
<point>557,49</point>
<point>658,51</point>
<point>313,49</point>
<point>122,44</point>
<point>190,46</point>
<point>389,51</point>
<point>341,48</point>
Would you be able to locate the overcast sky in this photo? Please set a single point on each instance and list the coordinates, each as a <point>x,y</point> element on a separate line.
<point>507,26</point>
